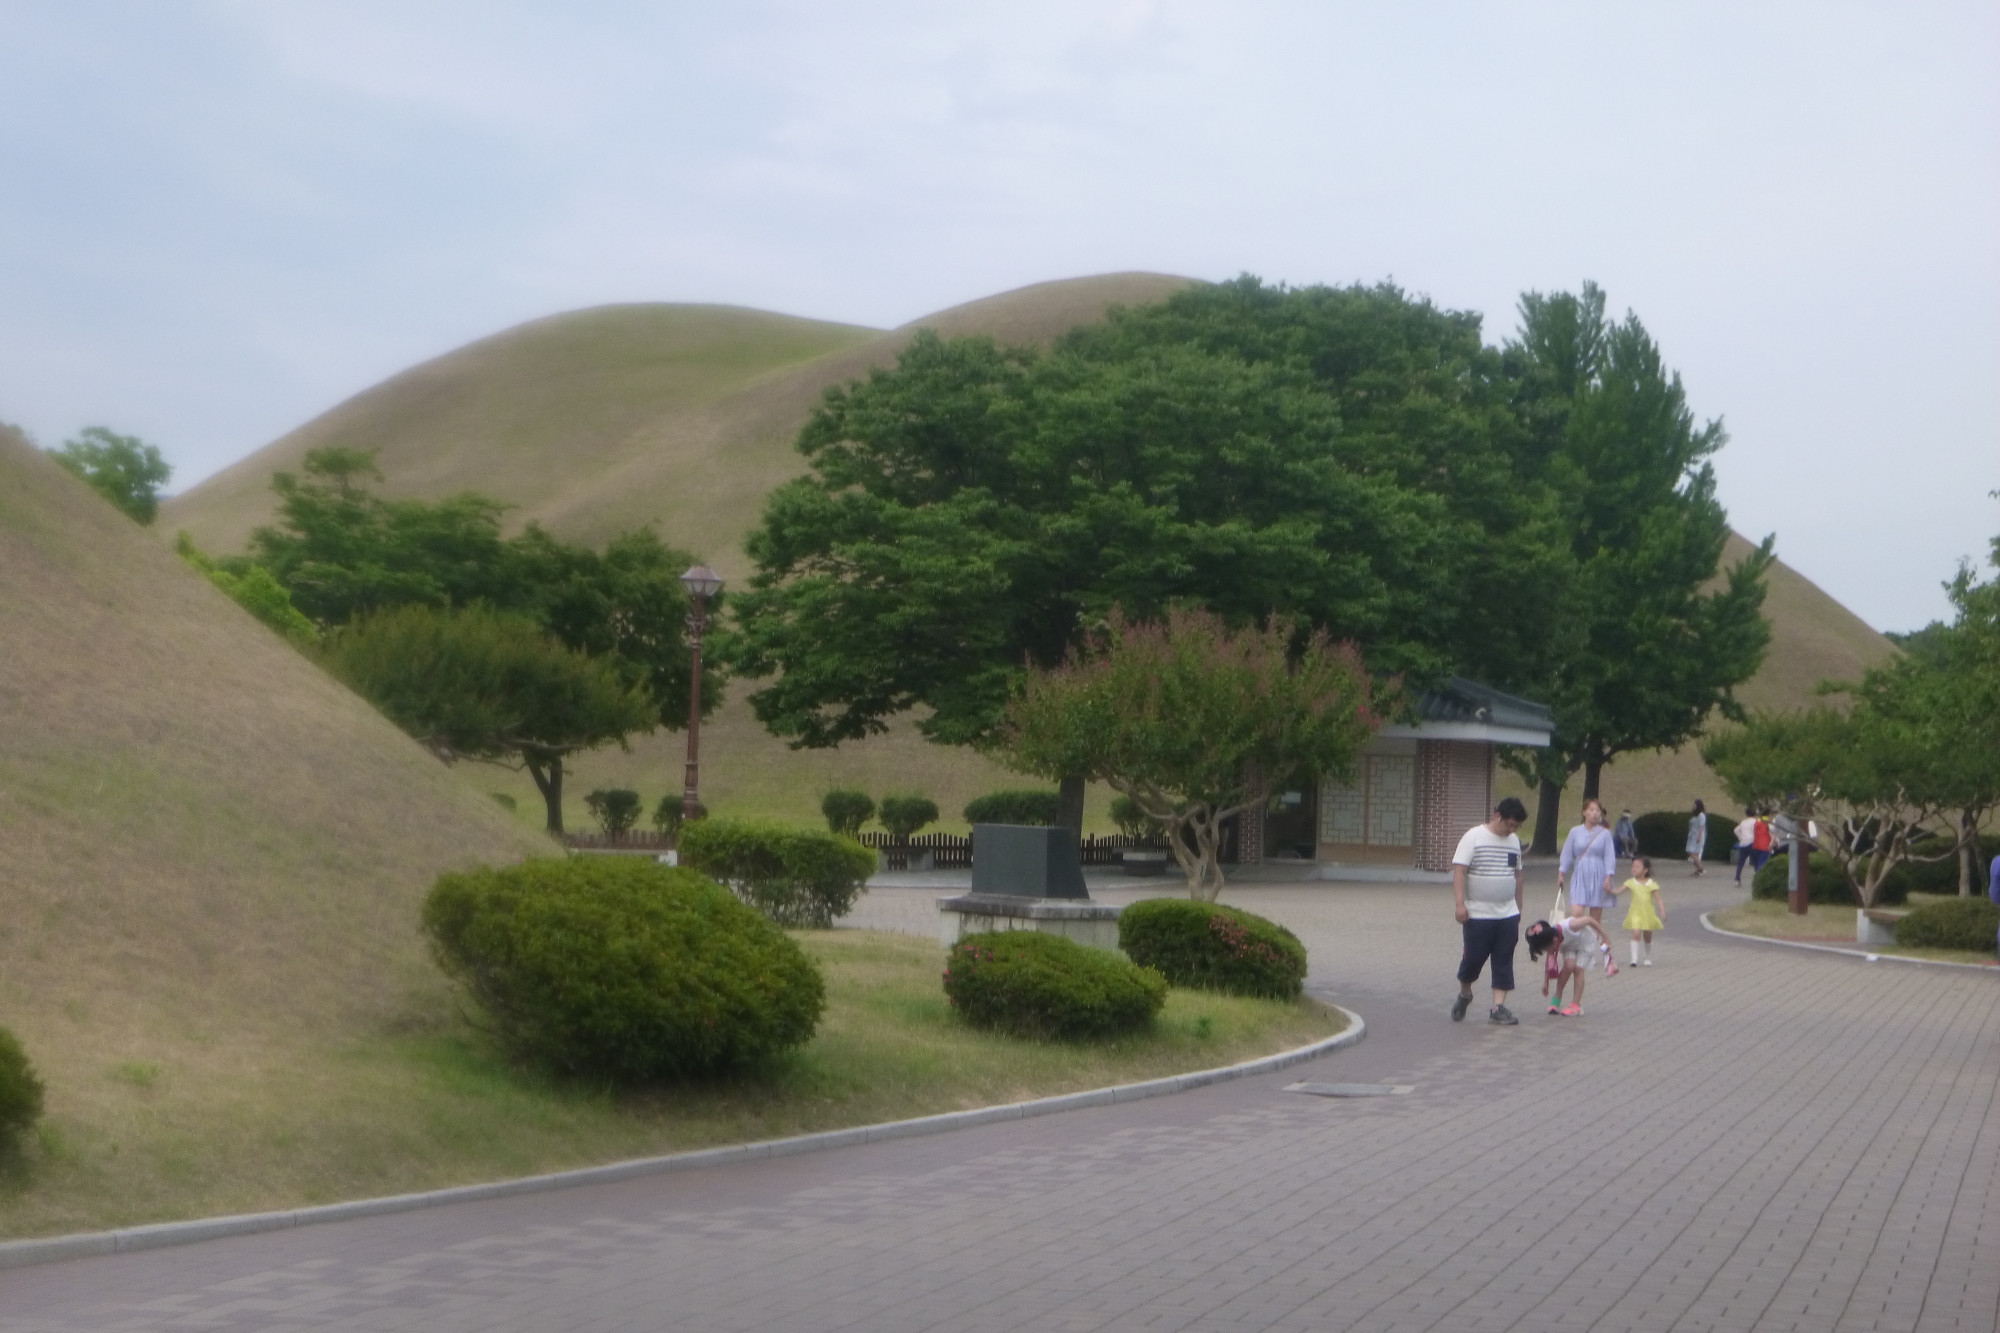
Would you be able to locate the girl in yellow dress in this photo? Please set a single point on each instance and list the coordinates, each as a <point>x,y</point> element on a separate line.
<point>1645,911</point>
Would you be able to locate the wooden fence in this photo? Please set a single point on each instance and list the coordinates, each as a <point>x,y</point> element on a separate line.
<point>947,851</point>
<point>933,851</point>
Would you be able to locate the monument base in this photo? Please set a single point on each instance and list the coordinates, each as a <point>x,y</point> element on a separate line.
<point>1093,924</point>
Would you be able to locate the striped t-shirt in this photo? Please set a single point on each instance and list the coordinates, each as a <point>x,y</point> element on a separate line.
<point>1490,860</point>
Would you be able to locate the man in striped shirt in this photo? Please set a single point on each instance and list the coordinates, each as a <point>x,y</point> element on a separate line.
<point>1486,894</point>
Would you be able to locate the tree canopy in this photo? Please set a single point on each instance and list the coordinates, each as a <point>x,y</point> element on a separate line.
<point>1193,721</point>
<point>476,683</point>
<point>1341,456</point>
<point>1644,646</point>
<point>124,469</point>
<point>1540,516</point>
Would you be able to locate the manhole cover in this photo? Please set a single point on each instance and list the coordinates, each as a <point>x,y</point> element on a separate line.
<point>1352,1089</point>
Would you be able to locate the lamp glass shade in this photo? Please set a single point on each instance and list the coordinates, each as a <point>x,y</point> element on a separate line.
<point>701,581</point>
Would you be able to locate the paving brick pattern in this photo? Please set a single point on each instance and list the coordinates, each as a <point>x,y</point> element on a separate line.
<point>1738,1138</point>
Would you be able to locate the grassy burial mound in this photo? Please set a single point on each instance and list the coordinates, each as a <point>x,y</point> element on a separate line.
<point>605,419</point>
<point>214,858</point>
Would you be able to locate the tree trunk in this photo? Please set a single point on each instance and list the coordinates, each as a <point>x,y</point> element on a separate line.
<point>548,776</point>
<point>1548,813</point>
<point>1593,769</point>
<point>1069,805</point>
<point>1968,851</point>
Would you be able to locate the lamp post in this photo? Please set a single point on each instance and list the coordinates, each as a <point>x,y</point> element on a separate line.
<point>702,583</point>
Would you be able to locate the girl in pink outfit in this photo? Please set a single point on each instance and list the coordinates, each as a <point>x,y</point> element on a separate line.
<point>1570,939</point>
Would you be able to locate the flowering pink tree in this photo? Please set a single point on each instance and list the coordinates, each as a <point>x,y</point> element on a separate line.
<point>1194,721</point>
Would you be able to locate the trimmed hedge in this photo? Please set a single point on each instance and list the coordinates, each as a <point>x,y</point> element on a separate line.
<point>1960,923</point>
<point>667,814</point>
<point>1211,947</point>
<point>846,811</point>
<point>1020,806</point>
<point>1942,876</point>
<point>1825,883</point>
<point>904,815</point>
<point>618,968</point>
<point>615,809</point>
<point>800,878</point>
<point>1034,985</point>
<point>1663,835</point>
<point>1132,821</point>
<point>20,1093</point>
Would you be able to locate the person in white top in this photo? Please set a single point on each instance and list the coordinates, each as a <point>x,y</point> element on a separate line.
<point>1486,897</point>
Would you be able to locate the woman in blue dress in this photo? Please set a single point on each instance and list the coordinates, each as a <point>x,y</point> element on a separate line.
<point>1589,862</point>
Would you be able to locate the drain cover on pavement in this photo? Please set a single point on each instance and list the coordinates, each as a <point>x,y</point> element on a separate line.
<point>1352,1089</point>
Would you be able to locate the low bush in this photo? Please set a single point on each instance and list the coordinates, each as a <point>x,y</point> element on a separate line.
<point>1942,876</point>
<point>797,877</point>
<point>904,815</point>
<point>846,811</point>
<point>615,809</point>
<point>667,814</point>
<point>1021,806</point>
<point>1133,822</point>
<point>1034,985</point>
<point>619,968</point>
<point>1958,923</point>
<point>1825,883</point>
<point>20,1093</point>
<point>1206,946</point>
<point>1663,835</point>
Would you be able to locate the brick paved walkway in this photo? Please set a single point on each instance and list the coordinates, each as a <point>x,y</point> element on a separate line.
<point>1769,1139</point>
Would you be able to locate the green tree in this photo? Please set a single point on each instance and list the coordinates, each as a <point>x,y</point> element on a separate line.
<point>124,469</point>
<point>1193,721</point>
<point>343,551</point>
<point>1643,647</point>
<point>1337,456</point>
<point>1860,774</point>
<point>485,685</point>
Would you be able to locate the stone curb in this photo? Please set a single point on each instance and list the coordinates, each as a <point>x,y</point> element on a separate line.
<point>21,1253</point>
<point>1856,952</point>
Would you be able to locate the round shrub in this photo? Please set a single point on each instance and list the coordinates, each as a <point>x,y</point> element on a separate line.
<point>1941,876</point>
<point>616,809</point>
<point>1035,985</point>
<point>20,1093</point>
<point>1957,923</point>
<point>800,878</point>
<point>846,811</point>
<point>1020,806</point>
<point>904,815</point>
<point>1825,883</point>
<point>619,968</point>
<point>1210,947</point>
<point>667,814</point>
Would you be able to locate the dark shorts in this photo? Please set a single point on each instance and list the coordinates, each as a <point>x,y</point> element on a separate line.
<point>1494,940</point>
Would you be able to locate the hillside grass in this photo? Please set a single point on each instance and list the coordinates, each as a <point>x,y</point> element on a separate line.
<point>157,1133</point>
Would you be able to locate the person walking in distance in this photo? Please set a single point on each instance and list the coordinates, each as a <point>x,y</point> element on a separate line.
<point>1486,898</point>
<point>1589,862</point>
<point>1697,835</point>
<point>1626,834</point>
<point>1746,841</point>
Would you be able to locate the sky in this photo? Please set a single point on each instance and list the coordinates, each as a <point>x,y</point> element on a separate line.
<point>218,219</point>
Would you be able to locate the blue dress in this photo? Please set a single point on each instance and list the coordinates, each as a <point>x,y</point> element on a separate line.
<point>1588,871</point>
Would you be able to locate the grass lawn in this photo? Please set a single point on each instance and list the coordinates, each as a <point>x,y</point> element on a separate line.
<point>434,1104</point>
<point>1826,923</point>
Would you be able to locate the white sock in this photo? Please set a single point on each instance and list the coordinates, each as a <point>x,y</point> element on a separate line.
<point>1635,953</point>
<point>1649,950</point>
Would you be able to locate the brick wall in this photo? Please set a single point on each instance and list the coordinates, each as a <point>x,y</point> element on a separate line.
<point>1454,792</point>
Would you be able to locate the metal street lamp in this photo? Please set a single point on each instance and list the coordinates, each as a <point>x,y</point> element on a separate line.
<point>702,583</point>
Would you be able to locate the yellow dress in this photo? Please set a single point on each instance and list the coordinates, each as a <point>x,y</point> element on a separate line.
<point>1640,914</point>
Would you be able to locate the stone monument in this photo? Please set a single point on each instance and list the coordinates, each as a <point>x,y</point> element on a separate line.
<point>1026,877</point>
